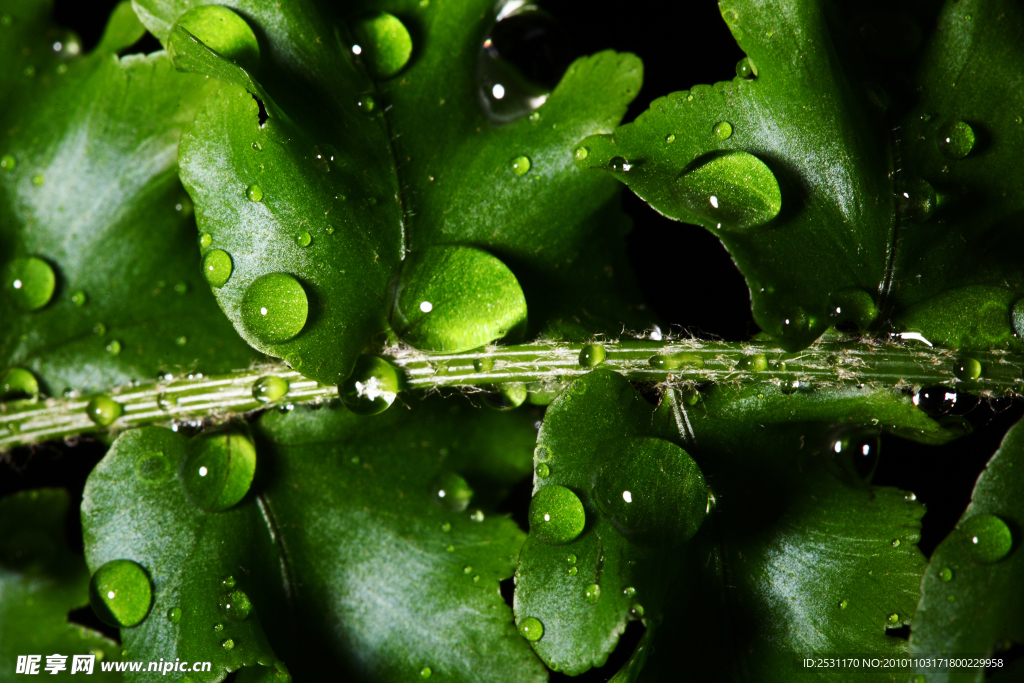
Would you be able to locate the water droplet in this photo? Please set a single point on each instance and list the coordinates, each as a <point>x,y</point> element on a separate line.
<point>946,574</point>
<point>99,329</point>
<point>956,139</point>
<point>542,454</point>
<point>670,138</point>
<point>573,571</point>
<point>38,179</point>
<point>367,104</point>
<point>543,470</point>
<point>217,628</point>
<point>571,558</point>
<point>450,492</point>
<point>303,239</point>
<point>225,32</point>
<point>855,454</point>
<point>580,154</point>
<point>372,386</point>
<point>120,593</point>
<point>894,618</point>
<point>636,612</point>
<point>650,490</point>
<point>521,165</point>
<point>218,469</point>
<point>166,402</point>
<point>152,468</point>
<point>384,44</point>
<point>919,678</point>
<point>467,569</point>
<point>507,397</point>
<point>629,591</point>
<point>916,201</point>
<point>228,582</point>
<point>228,644</point>
<point>205,240</point>
<point>745,68</point>
<point>113,347</point>
<point>174,615</point>
<point>217,267</point>
<point>723,130</point>
<point>446,527</point>
<point>729,190</point>
<point>477,516</point>
<point>531,629</point>
<point>18,383</point>
<point>254,193</point>
<point>988,538</point>
<point>967,368</point>
<point>592,355</point>
<point>425,672</point>
<point>275,307</point>
<point>234,605</point>
<point>257,146</point>
<point>450,549</point>
<point>8,163</point>
<point>852,305</point>
<point>843,603</point>
<point>620,164</point>
<point>29,282</point>
<point>484,364</point>
<point>181,341</point>
<point>753,363</point>
<point>270,388</point>
<point>895,543</point>
<point>329,229</point>
<point>556,515</point>
<point>674,361</point>
<point>103,410</point>
<point>592,593</point>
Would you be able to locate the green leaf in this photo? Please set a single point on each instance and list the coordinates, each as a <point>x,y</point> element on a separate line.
<point>92,195</point>
<point>345,191</point>
<point>971,595</point>
<point>41,580</point>
<point>780,167</point>
<point>342,546</point>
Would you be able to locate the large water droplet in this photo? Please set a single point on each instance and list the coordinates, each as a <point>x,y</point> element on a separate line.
<point>18,383</point>
<point>103,410</point>
<point>592,355</point>
<point>855,454</point>
<point>275,307</point>
<point>225,32</point>
<point>916,201</point>
<point>234,605</point>
<point>556,515</point>
<point>988,538</point>
<point>450,491</point>
<point>270,388</point>
<point>120,593</point>
<point>218,470</point>
<point>29,282</point>
<point>650,490</point>
<point>967,368</point>
<point>956,139</point>
<point>217,267</point>
<point>852,305</point>
<point>729,191</point>
<point>531,629</point>
<point>383,43</point>
<point>372,386</point>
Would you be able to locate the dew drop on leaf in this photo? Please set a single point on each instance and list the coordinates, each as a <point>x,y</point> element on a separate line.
<point>384,43</point>
<point>270,388</point>
<point>205,240</point>
<point>620,164</point>
<point>113,347</point>
<point>556,515</point>
<point>507,396</point>
<point>79,298</point>
<point>729,190</point>
<point>592,355</point>
<point>629,591</point>
<point>103,410</point>
<point>956,139</point>
<point>723,130</point>
<point>228,644</point>
<point>843,603</point>
<point>29,282</point>
<point>894,618</point>
<point>916,201</point>
<point>752,363</point>
<point>225,32</point>
<point>234,605</point>
<point>228,582</point>
<point>967,368</point>
<point>852,305</point>
<point>8,163</point>
<point>988,538</point>
<point>580,154</point>
<point>303,239</point>
<point>946,574</point>
<point>425,672</point>
<point>218,470</point>
<point>120,593</point>
<point>450,492</point>
<point>543,470</point>
<point>745,69</point>
<point>531,629</point>
<point>274,307</point>
<point>18,383</point>
<point>38,178</point>
<point>174,615</point>
<point>592,593</point>
<point>855,454</point>
<point>636,611</point>
<point>217,267</point>
<point>650,490</point>
<point>674,361</point>
<point>254,193</point>
<point>521,165</point>
<point>371,388</point>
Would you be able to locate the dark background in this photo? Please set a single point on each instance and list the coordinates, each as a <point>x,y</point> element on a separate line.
<point>685,43</point>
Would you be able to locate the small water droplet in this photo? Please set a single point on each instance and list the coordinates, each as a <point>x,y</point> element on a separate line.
<point>592,355</point>
<point>956,139</point>
<point>916,200</point>
<point>152,468</point>
<point>592,593</point>
<point>18,383</point>
<point>629,591</point>
<point>989,539</point>
<point>895,543</point>
<point>371,388</point>
<point>270,388</point>
<point>556,515</point>
<point>967,368</point>
<point>275,307</point>
<point>113,347</point>
<point>894,618</point>
<point>745,69</point>
<point>235,605</point>
<point>205,240</point>
<point>446,527</point>
<point>217,267</point>
<point>855,454</point>
<point>571,558</point>
<point>531,629</point>
<point>620,164</point>
<point>254,193</point>
<point>521,165</point>
<point>217,628</point>
<point>174,615</point>
<point>425,672</point>
<point>543,470</point>
<point>843,603</point>
<point>228,582</point>
<point>383,43</point>
<point>166,401</point>
<point>30,282</point>
<point>367,104</point>
<point>303,239</point>
<point>120,593</point>
<point>852,305</point>
<point>636,612</point>
<point>729,190</point>
<point>228,644</point>
<point>79,298</point>
<point>181,341</point>
<point>753,363</point>
<point>257,146</point>
<point>723,130</point>
<point>38,179</point>
<point>670,138</point>
<point>8,163</point>
<point>218,470</point>
<point>573,571</point>
<point>103,410</point>
<point>482,364</point>
<point>580,154</point>
<point>450,492</point>
<point>946,574</point>
<point>674,361</point>
<point>329,229</point>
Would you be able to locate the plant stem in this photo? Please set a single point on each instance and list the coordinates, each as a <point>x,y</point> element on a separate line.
<point>544,366</point>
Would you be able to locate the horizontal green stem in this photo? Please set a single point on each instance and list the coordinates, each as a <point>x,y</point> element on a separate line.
<point>543,366</point>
